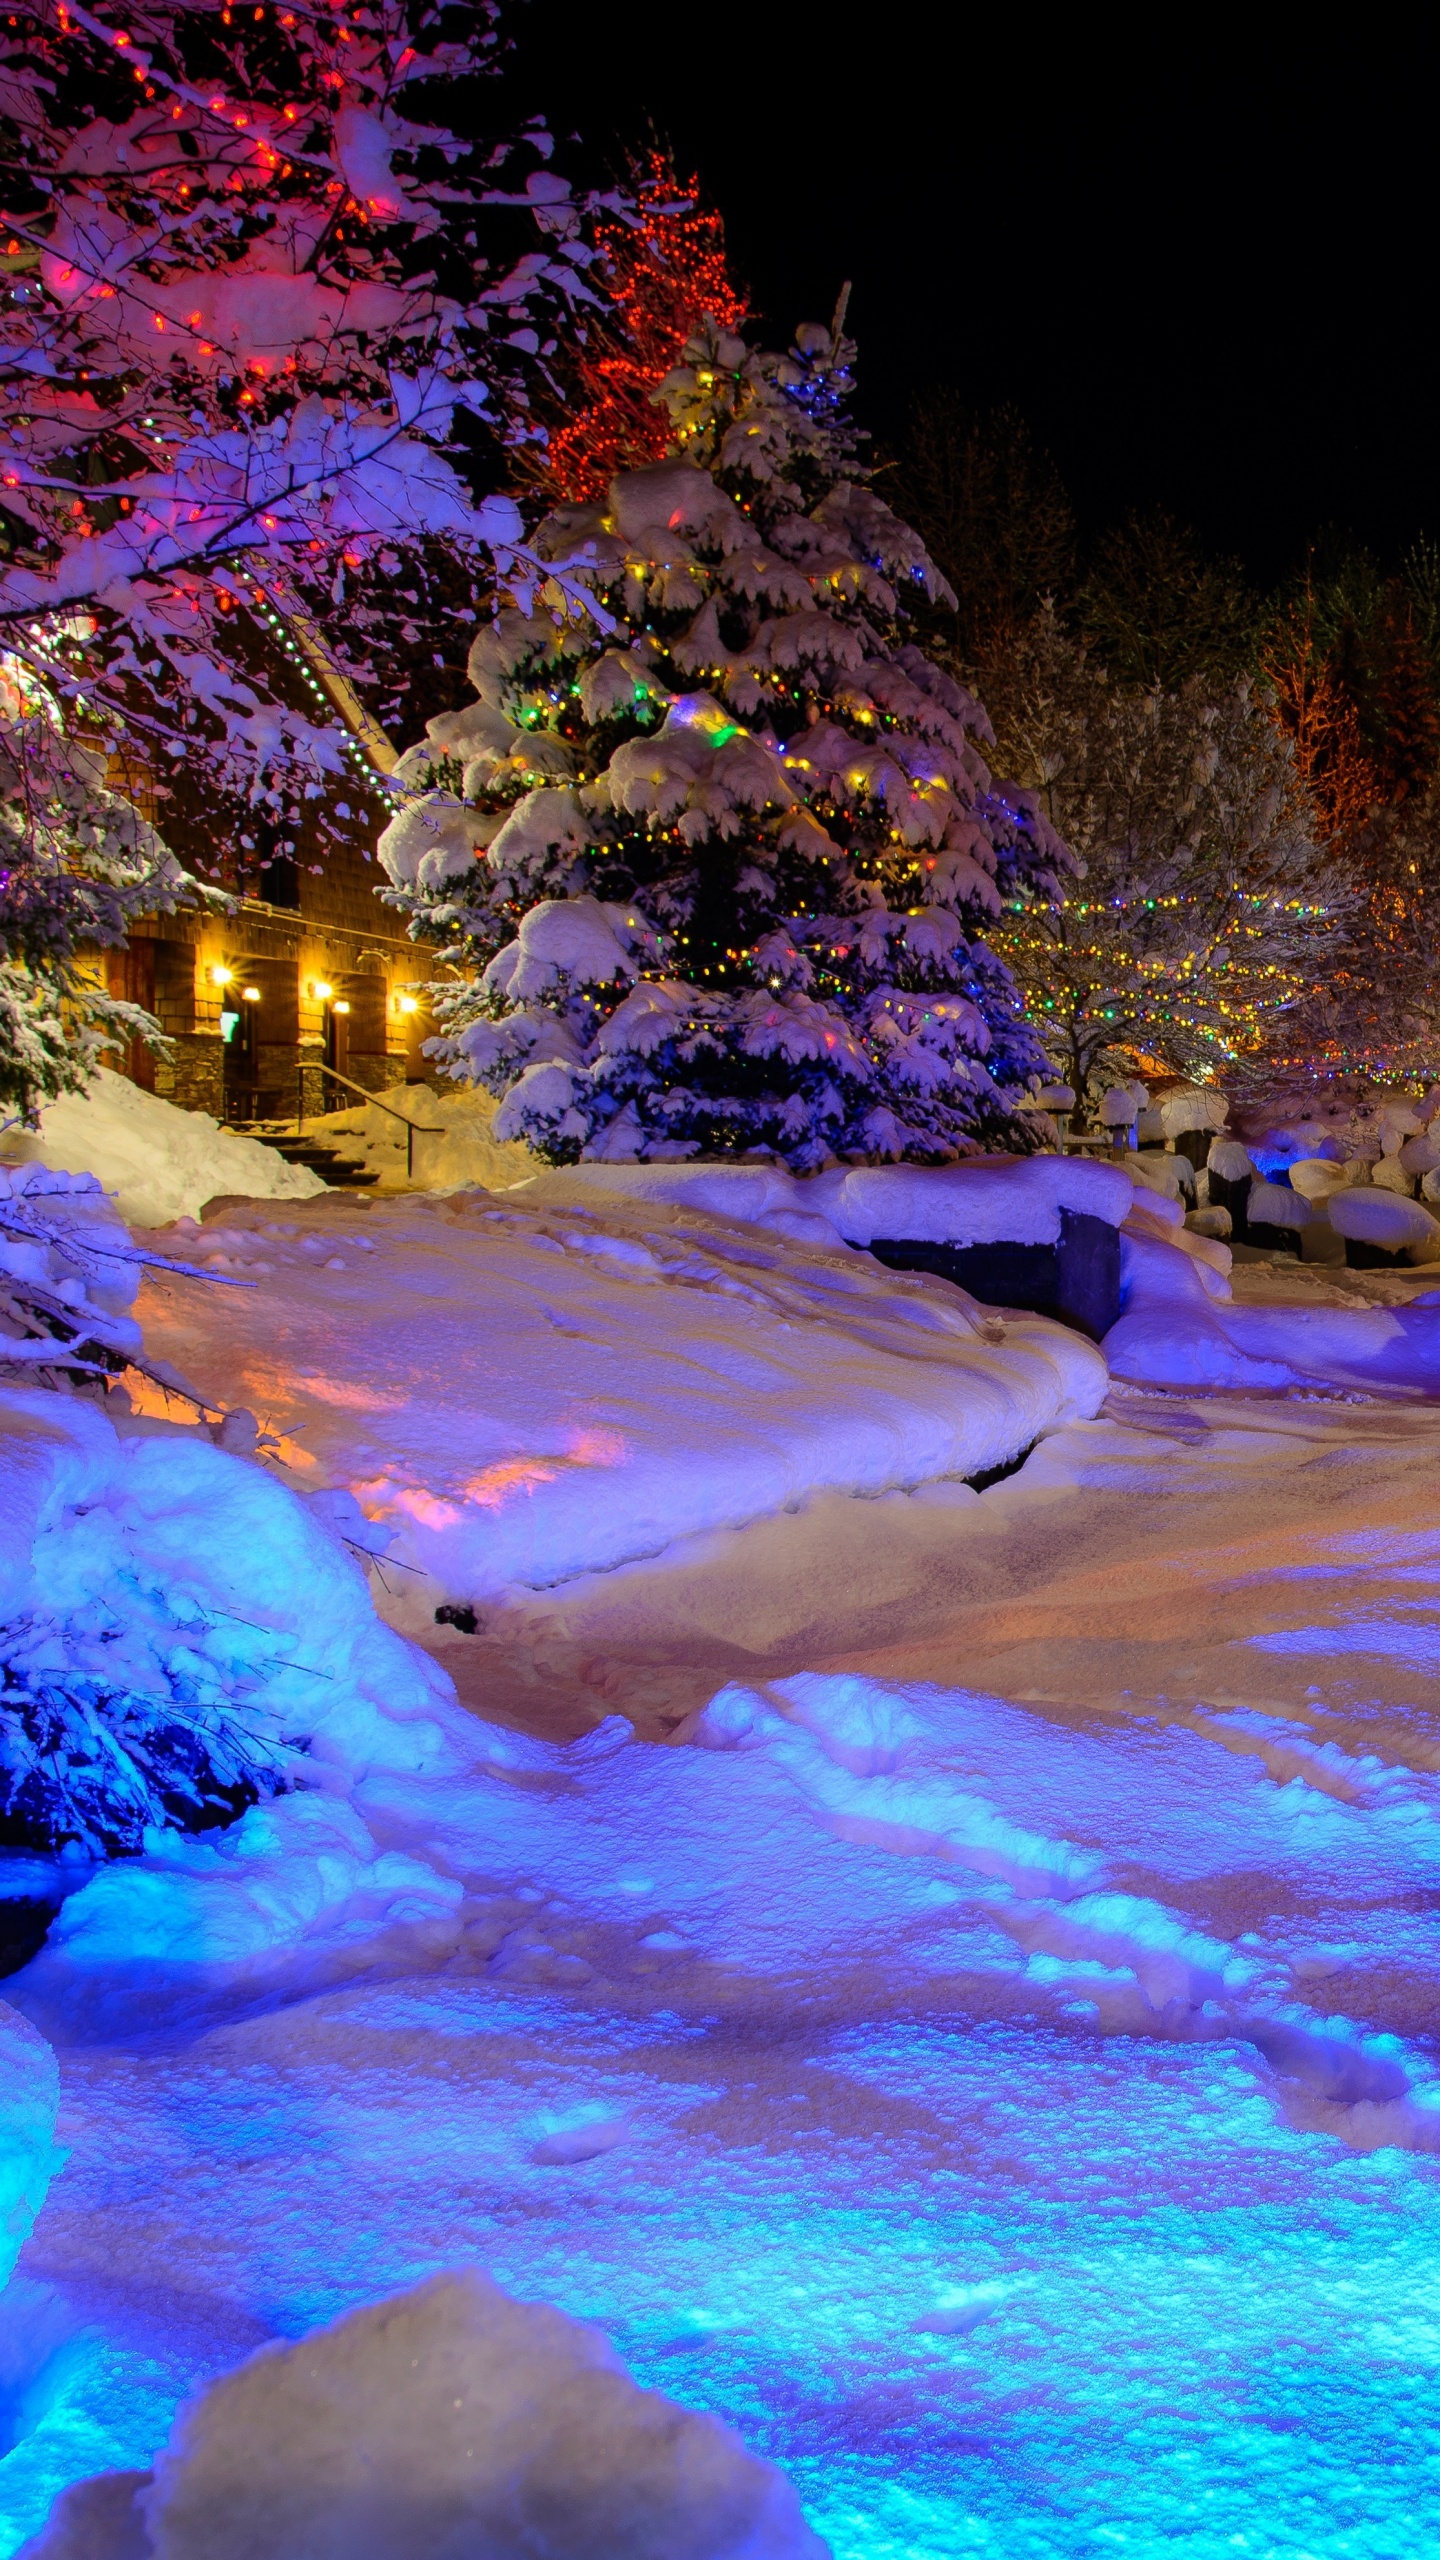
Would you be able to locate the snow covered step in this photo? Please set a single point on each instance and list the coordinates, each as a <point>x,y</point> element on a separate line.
<point>1380,1228</point>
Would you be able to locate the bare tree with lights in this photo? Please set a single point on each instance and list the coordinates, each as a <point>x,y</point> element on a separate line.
<point>1202,914</point>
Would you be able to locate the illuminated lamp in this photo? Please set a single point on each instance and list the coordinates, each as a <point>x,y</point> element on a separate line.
<point>406,1004</point>
<point>340,1005</point>
<point>220,977</point>
<point>319,988</point>
<point>249,995</point>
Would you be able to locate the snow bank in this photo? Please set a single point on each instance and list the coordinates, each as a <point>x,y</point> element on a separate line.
<point>159,1162</point>
<point>448,2421</point>
<point>992,1200</point>
<point>301,1867</point>
<point>29,2101</point>
<point>533,1385</point>
<point>152,1577</point>
<point>1179,1327</point>
<point>454,1142</point>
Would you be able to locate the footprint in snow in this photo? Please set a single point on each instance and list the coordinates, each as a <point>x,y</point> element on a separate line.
<point>581,2138</point>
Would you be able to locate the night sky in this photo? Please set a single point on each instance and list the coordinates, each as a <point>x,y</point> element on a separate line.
<point>1204,267</point>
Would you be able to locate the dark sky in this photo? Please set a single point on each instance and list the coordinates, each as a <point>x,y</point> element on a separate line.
<point>1203,266</point>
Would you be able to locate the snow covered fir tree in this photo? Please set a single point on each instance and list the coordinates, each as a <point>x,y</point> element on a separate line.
<point>719,854</point>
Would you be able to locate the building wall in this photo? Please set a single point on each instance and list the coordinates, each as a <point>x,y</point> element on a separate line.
<point>337,938</point>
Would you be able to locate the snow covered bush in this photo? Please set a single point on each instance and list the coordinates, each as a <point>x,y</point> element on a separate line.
<point>179,1634</point>
<point>450,2420</point>
<point>724,868</point>
<point>77,862</point>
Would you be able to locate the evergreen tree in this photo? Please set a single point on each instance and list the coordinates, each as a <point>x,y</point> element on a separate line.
<point>724,870</point>
<point>992,512</point>
<point>1405,707</point>
<point>661,259</point>
<point>1313,705</point>
<point>77,863</point>
<point>1156,610</point>
<point>1201,914</point>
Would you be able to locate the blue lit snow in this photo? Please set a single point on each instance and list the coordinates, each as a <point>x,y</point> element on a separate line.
<point>1013,2105</point>
<point>876,2183</point>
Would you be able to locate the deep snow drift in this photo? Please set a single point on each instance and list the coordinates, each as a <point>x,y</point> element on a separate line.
<point>524,1391</point>
<point>160,1162</point>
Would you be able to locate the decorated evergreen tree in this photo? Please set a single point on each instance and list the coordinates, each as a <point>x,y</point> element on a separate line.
<point>77,862</point>
<point>723,870</point>
<point>661,260</point>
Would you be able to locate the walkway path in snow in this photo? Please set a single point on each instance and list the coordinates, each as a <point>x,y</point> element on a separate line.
<point>991,2057</point>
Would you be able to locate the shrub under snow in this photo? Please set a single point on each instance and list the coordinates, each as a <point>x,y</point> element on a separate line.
<point>176,1629</point>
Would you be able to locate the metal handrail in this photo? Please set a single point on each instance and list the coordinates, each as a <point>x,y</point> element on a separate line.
<point>313,1068</point>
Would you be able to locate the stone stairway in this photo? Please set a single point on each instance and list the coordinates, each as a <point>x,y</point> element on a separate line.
<point>342,1172</point>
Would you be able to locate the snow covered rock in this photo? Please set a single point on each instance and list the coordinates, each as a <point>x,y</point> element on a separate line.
<point>448,2422</point>
<point>29,2099</point>
<point>1215,1223</point>
<point>1384,1223</point>
<point>1169,1174</point>
<point>160,1163</point>
<point>1316,1177</point>
<point>1393,1174</point>
<point>1193,1107</point>
<point>1276,1215</point>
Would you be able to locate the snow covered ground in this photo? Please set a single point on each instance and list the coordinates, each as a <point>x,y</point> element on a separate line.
<point>990,2059</point>
<point>944,1979</point>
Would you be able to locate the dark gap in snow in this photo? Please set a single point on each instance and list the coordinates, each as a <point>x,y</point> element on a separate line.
<point>987,1476</point>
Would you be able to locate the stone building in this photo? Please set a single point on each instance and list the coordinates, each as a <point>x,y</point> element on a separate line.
<point>315,974</point>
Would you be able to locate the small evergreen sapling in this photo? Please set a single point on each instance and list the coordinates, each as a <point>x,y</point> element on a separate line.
<point>724,870</point>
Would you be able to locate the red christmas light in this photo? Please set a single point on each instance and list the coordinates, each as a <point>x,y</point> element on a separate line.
<point>665,272</point>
